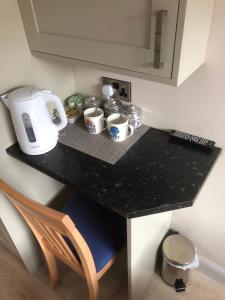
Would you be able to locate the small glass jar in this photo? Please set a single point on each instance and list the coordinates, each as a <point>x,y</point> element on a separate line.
<point>92,102</point>
<point>134,115</point>
<point>76,101</point>
<point>72,113</point>
<point>112,106</point>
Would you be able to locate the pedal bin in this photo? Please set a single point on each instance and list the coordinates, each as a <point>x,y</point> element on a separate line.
<point>178,257</point>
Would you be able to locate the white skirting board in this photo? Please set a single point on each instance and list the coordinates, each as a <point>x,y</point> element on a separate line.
<point>211,269</point>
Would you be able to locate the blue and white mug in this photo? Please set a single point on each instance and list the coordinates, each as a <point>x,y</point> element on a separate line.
<point>118,127</point>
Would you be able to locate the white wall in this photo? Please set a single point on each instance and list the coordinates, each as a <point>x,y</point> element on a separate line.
<point>18,67</point>
<point>197,106</point>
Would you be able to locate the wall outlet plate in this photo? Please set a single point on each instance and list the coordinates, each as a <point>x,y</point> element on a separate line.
<point>122,89</point>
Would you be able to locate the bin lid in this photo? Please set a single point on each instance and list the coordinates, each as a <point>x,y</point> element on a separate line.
<point>178,249</point>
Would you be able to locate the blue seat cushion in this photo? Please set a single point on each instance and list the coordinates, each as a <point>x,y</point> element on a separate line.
<point>103,230</point>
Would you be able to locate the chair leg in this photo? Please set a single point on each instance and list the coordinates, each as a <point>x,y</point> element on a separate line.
<point>52,268</point>
<point>93,289</point>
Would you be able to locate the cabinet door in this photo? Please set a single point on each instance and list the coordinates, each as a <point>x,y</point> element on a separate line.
<point>118,33</point>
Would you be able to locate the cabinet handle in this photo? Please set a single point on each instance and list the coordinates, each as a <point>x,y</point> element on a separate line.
<point>160,17</point>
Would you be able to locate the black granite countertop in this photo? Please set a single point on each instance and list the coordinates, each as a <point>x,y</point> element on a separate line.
<point>156,175</point>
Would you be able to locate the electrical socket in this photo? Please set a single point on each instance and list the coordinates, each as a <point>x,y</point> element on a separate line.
<point>122,89</point>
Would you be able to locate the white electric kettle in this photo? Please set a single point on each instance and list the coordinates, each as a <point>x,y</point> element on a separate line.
<point>35,131</point>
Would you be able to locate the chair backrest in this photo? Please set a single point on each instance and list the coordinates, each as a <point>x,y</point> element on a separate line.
<point>50,227</point>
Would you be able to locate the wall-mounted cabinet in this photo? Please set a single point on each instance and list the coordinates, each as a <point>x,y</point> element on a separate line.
<point>159,40</point>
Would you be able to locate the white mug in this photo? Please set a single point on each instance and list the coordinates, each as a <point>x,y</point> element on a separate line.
<point>118,127</point>
<point>94,120</point>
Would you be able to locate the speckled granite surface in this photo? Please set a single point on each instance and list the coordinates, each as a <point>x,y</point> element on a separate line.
<point>156,175</point>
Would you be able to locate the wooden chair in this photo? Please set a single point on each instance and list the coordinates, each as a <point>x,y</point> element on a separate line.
<point>60,236</point>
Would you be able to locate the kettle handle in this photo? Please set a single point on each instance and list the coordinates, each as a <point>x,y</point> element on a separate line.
<point>49,97</point>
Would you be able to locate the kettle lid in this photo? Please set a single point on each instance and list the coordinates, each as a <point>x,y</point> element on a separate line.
<point>24,94</point>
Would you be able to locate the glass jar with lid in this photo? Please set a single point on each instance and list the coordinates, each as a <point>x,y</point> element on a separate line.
<point>112,106</point>
<point>134,115</point>
<point>92,102</point>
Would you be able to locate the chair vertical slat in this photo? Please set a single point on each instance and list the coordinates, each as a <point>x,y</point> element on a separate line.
<point>55,240</point>
<point>66,248</point>
<point>59,244</point>
<point>49,238</point>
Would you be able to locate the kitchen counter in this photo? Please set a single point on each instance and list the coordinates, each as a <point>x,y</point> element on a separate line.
<point>157,174</point>
<point>154,177</point>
